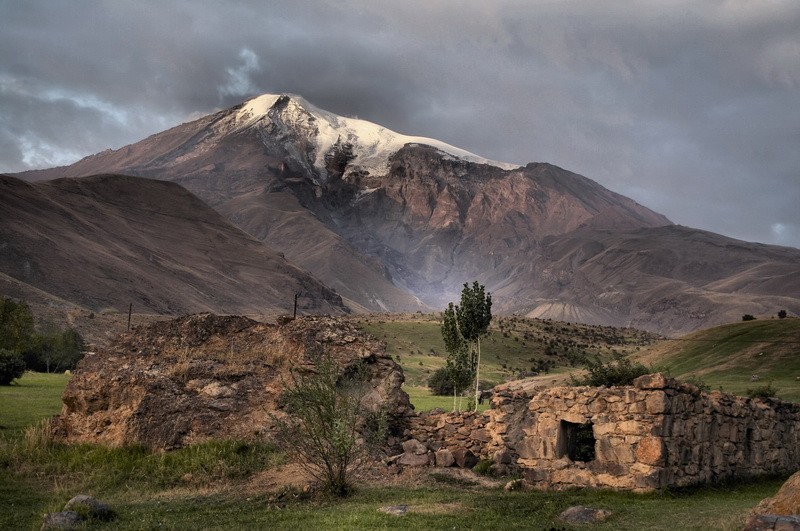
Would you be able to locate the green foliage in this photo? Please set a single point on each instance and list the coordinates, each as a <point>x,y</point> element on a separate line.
<point>748,317</point>
<point>55,351</point>
<point>475,312</point>
<point>459,369</point>
<point>619,371</point>
<point>483,467</point>
<point>51,350</point>
<point>473,317</point>
<point>763,391</point>
<point>11,366</point>
<point>16,324</point>
<point>326,417</point>
<point>441,382</point>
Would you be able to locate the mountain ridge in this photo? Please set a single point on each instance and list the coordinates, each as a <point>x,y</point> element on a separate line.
<point>546,241</point>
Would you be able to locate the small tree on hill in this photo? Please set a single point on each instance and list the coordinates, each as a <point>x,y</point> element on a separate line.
<point>748,317</point>
<point>782,314</point>
<point>474,316</point>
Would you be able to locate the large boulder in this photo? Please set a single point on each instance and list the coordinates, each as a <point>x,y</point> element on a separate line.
<point>786,501</point>
<point>199,377</point>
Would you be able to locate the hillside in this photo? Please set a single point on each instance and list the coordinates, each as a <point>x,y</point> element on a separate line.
<point>515,347</point>
<point>729,357</point>
<point>104,242</point>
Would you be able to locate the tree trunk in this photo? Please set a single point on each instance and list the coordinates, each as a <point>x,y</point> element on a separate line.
<point>477,376</point>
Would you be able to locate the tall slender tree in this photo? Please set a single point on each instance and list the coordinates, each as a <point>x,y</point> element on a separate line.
<point>459,366</point>
<point>473,317</point>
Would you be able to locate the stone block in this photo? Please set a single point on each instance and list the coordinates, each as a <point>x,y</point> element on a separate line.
<point>504,456</point>
<point>465,458</point>
<point>413,446</point>
<point>480,434</point>
<point>657,402</point>
<point>410,459</point>
<point>650,451</point>
<point>651,381</point>
<point>444,458</point>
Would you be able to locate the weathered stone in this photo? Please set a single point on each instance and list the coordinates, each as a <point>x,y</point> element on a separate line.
<point>465,458</point>
<point>772,522</point>
<point>785,502</point>
<point>480,435</point>
<point>394,510</point>
<point>504,456</point>
<point>650,451</point>
<point>583,515</point>
<point>651,381</point>
<point>90,507</point>
<point>657,403</point>
<point>64,520</point>
<point>411,459</point>
<point>413,446</point>
<point>444,458</point>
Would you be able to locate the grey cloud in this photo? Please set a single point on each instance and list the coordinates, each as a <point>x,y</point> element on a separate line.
<point>688,107</point>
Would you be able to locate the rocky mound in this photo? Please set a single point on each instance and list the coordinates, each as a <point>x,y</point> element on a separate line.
<point>199,377</point>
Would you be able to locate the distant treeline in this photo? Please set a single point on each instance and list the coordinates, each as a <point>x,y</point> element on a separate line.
<point>24,347</point>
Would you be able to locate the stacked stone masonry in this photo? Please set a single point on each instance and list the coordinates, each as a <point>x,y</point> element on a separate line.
<point>656,433</point>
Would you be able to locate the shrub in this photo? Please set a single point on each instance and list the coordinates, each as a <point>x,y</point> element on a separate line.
<point>782,314</point>
<point>748,317</point>
<point>326,430</point>
<point>763,391</point>
<point>618,371</point>
<point>441,383</point>
<point>11,366</point>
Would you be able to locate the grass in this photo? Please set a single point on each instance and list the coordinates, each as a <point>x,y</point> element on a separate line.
<point>423,400</point>
<point>727,357</point>
<point>443,507</point>
<point>30,398</point>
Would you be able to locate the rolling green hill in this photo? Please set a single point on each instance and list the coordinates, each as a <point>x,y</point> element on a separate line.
<point>735,357</point>
<point>516,347</point>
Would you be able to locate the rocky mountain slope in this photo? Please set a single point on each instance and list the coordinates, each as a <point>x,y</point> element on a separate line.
<point>108,241</point>
<point>397,223</point>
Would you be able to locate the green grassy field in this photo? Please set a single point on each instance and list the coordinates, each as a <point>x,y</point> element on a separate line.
<point>211,486</point>
<point>727,357</point>
<point>32,397</point>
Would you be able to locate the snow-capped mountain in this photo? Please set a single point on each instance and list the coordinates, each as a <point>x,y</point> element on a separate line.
<point>368,146</point>
<point>395,222</point>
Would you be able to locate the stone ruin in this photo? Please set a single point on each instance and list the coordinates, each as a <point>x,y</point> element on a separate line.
<point>656,433</point>
<point>173,383</point>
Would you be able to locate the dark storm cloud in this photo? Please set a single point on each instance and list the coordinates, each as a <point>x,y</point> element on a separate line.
<point>688,107</point>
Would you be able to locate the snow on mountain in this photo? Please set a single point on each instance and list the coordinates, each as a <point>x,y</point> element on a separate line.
<point>372,145</point>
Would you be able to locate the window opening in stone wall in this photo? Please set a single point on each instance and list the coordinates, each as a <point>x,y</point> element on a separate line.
<point>576,441</point>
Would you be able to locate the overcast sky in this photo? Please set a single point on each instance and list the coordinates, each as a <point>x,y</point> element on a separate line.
<point>692,108</point>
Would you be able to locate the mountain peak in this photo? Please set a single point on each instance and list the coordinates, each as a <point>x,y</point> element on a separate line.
<point>372,144</point>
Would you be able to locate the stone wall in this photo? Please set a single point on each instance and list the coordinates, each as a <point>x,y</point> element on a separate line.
<point>656,433</point>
